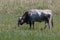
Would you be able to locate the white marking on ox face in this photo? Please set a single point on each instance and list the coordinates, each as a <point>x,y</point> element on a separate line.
<point>20,20</point>
<point>20,17</point>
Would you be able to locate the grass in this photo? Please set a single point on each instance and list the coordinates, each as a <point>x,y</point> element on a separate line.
<point>8,22</point>
<point>10,10</point>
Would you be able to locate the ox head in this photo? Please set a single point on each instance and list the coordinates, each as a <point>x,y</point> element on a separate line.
<point>20,21</point>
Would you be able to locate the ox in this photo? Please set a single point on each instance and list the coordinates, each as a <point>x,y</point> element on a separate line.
<point>35,15</point>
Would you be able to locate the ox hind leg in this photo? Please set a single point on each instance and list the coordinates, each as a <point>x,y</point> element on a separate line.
<point>46,24</point>
<point>50,22</point>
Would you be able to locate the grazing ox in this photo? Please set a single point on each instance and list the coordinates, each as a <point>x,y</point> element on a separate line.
<point>35,15</point>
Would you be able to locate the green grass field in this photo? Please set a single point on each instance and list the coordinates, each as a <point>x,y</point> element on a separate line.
<point>10,10</point>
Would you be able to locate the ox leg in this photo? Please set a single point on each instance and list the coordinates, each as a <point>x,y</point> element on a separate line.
<point>33,25</point>
<point>46,24</point>
<point>50,23</point>
<point>30,25</point>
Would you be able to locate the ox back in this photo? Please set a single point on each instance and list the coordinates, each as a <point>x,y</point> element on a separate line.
<point>37,16</point>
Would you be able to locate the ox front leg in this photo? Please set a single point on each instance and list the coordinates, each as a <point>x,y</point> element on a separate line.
<point>33,25</point>
<point>30,25</point>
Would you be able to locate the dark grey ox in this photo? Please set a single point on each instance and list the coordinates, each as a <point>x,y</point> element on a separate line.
<point>35,15</point>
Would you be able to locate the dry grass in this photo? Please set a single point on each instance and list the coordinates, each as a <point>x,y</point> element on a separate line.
<point>11,6</point>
